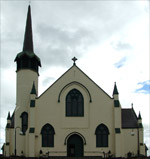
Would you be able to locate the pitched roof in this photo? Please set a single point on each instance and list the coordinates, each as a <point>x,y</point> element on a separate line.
<point>129,118</point>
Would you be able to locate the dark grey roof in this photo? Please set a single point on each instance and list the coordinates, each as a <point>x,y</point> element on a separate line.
<point>129,118</point>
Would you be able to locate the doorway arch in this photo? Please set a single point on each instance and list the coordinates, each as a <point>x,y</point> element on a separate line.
<point>75,146</point>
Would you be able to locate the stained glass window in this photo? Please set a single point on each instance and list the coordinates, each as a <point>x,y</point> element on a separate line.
<point>47,136</point>
<point>101,136</point>
<point>74,103</point>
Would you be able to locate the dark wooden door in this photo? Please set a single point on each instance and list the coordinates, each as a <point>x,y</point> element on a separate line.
<point>75,146</point>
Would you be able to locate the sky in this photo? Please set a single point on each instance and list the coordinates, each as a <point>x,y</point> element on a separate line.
<point>109,38</point>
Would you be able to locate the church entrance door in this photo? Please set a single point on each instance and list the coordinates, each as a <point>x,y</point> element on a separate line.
<point>75,146</point>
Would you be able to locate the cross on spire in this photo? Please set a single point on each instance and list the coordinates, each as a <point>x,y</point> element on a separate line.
<point>74,59</point>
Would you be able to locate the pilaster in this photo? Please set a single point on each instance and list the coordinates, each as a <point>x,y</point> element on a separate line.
<point>117,123</point>
<point>31,139</point>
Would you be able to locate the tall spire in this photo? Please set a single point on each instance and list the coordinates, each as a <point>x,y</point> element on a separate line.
<point>28,41</point>
<point>27,59</point>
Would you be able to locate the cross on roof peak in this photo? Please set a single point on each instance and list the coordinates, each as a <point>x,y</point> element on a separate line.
<point>74,59</point>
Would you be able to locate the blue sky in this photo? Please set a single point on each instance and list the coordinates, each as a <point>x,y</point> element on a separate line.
<point>121,63</point>
<point>144,87</point>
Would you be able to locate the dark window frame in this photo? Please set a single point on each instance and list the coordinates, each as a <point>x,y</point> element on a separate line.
<point>102,133</point>
<point>47,133</point>
<point>24,122</point>
<point>74,104</point>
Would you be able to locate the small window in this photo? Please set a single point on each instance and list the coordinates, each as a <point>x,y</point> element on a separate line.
<point>24,120</point>
<point>34,64</point>
<point>47,136</point>
<point>102,136</point>
<point>74,103</point>
<point>25,62</point>
<point>32,103</point>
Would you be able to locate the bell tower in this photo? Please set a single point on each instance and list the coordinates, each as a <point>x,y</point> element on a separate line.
<point>27,71</point>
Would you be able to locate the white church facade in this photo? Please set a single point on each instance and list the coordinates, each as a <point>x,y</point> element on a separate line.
<point>74,117</point>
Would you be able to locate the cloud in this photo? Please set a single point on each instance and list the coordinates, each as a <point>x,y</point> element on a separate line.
<point>58,43</point>
<point>8,92</point>
<point>121,45</point>
<point>47,81</point>
<point>121,63</point>
<point>144,87</point>
<point>63,29</point>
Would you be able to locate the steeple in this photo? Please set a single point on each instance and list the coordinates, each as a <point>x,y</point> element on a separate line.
<point>33,91</point>
<point>8,117</point>
<point>115,89</point>
<point>139,117</point>
<point>8,120</point>
<point>27,59</point>
<point>140,121</point>
<point>28,39</point>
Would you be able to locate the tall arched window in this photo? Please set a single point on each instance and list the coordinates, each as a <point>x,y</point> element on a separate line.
<point>102,133</point>
<point>47,133</point>
<point>74,103</point>
<point>24,122</point>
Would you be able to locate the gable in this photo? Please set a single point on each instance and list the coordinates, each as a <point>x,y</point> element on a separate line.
<point>77,76</point>
<point>53,101</point>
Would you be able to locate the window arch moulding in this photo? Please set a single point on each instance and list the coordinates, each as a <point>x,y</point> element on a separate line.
<point>74,104</point>
<point>47,132</point>
<point>76,83</point>
<point>24,122</point>
<point>67,137</point>
<point>102,133</point>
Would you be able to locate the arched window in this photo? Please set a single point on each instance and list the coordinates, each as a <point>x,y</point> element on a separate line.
<point>24,121</point>
<point>47,136</point>
<point>102,136</point>
<point>74,103</point>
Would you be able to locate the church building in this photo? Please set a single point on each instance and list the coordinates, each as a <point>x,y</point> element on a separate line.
<point>74,117</point>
